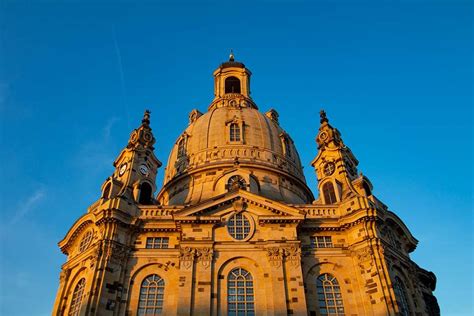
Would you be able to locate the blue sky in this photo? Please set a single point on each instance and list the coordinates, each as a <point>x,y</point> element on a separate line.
<point>394,76</point>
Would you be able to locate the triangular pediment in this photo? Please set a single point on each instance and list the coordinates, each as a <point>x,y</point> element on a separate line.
<point>239,200</point>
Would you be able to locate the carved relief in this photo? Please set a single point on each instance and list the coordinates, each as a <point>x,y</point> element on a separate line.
<point>364,257</point>
<point>186,256</point>
<point>275,256</point>
<point>194,115</point>
<point>64,275</point>
<point>293,255</point>
<point>96,254</point>
<point>205,255</point>
<point>114,252</point>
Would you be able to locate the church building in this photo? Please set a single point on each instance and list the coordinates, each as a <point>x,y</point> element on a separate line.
<point>235,229</point>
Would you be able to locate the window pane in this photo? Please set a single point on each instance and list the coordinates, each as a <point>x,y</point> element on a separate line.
<point>238,226</point>
<point>149,297</point>
<point>327,295</point>
<point>240,281</point>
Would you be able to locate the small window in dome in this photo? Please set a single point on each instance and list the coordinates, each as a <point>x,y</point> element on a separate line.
<point>181,150</point>
<point>232,85</point>
<point>234,132</point>
<point>236,182</point>
<point>287,146</point>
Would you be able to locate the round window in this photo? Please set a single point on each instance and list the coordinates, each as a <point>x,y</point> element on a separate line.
<point>238,226</point>
<point>85,241</point>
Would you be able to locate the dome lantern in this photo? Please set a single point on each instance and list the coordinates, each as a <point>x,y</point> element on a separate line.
<point>231,77</point>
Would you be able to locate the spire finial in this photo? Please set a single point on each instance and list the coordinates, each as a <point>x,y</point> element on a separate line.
<point>322,115</point>
<point>146,118</point>
<point>231,56</point>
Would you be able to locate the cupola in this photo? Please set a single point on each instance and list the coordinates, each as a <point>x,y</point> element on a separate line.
<point>231,78</point>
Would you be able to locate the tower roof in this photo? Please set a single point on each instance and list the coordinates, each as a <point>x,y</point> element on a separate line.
<point>231,62</point>
<point>142,137</point>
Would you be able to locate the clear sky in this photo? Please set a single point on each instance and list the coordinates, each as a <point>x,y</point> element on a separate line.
<point>395,77</point>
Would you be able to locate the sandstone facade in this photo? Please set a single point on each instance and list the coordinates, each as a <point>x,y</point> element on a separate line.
<point>235,230</point>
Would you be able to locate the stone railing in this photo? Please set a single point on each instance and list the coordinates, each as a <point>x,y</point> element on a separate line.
<point>156,212</point>
<point>320,211</point>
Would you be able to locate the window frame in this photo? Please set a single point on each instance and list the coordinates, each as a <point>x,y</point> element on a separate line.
<point>77,297</point>
<point>236,179</point>
<point>329,291</point>
<point>230,82</point>
<point>235,132</point>
<point>237,230</point>
<point>86,241</point>
<point>400,290</point>
<point>181,147</point>
<point>145,293</point>
<point>330,196</point>
<point>318,242</point>
<point>157,242</point>
<point>240,292</point>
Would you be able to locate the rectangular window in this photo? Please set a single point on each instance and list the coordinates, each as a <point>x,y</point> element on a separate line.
<point>234,132</point>
<point>321,242</point>
<point>157,242</point>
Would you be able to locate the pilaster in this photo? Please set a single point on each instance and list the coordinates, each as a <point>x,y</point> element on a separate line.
<point>186,280</point>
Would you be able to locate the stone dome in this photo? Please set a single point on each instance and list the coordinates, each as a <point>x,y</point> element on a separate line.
<point>233,141</point>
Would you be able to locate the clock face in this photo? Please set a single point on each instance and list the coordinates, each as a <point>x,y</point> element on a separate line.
<point>329,168</point>
<point>123,168</point>
<point>143,169</point>
<point>134,136</point>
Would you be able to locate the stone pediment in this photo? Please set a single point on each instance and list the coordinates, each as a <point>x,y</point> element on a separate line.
<point>216,208</point>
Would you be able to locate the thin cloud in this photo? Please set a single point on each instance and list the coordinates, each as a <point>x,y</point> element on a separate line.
<point>97,154</point>
<point>108,128</point>
<point>29,205</point>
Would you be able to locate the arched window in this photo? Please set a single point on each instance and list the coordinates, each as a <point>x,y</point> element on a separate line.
<point>329,296</point>
<point>238,226</point>
<point>181,150</point>
<point>106,193</point>
<point>85,241</point>
<point>77,298</point>
<point>329,193</point>
<point>240,293</point>
<point>286,142</point>
<point>145,193</point>
<point>152,293</point>
<point>402,298</point>
<point>236,182</point>
<point>234,132</point>
<point>232,85</point>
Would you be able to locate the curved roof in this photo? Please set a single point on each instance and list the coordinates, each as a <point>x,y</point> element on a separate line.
<point>262,141</point>
<point>205,155</point>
